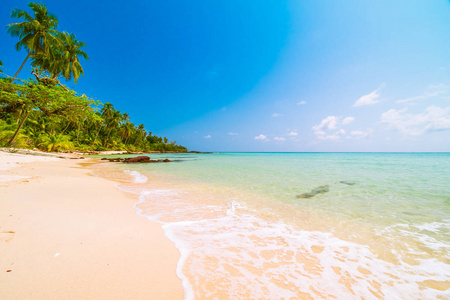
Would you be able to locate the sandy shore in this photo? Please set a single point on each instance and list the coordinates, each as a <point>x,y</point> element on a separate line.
<point>65,234</point>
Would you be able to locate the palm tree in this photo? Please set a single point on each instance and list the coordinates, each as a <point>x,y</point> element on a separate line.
<point>53,141</point>
<point>71,51</point>
<point>126,130</point>
<point>113,123</point>
<point>1,65</point>
<point>140,130</point>
<point>106,111</point>
<point>35,33</point>
<point>65,58</point>
<point>126,117</point>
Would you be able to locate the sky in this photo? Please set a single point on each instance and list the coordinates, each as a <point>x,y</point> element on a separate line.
<point>272,75</point>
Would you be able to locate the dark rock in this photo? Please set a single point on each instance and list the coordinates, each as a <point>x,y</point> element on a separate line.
<point>348,182</point>
<point>137,159</point>
<point>104,158</point>
<point>319,190</point>
<point>306,195</point>
<point>166,160</point>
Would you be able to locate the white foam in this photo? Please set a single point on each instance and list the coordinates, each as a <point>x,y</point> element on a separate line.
<point>260,259</point>
<point>435,227</point>
<point>436,241</point>
<point>243,242</point>
<point>137,177</point>
<point>251,237</point>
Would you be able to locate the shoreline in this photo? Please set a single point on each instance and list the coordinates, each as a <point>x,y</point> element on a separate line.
<point>65,234</point>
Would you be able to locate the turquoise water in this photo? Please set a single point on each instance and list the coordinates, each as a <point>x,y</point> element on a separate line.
<point>381,229</point>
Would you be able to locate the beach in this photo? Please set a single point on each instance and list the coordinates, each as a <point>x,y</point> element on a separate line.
<point>225,226</point>
<point>65,234</point>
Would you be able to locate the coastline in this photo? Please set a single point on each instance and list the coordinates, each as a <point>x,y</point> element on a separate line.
<point>65,234</point>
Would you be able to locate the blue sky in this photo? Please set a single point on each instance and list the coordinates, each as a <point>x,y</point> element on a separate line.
<point>266,75</point>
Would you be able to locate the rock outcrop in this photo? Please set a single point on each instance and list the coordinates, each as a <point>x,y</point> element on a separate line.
<point>137,159</point>
<point>319,190</point>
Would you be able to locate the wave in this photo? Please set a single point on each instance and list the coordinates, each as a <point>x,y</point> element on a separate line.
<point>137,177</point>
<point>231,252</point>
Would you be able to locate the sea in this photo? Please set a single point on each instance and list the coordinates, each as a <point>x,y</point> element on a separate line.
<point>300,225</point>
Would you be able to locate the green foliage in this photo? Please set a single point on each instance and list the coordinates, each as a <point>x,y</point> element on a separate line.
<point>48,115</point>
<point>64,58</point>
<point>35,115</point>
<point>55,142</point>
<point>7,132</point>
<point>53,52</point>
<point>35,32</point>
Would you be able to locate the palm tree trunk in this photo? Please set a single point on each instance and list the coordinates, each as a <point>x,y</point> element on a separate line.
<point>65,128</point>
<point>20,127</point>
<point>98,133</point>
<point>107,138</point>
<point>78,131</point>
<point>17,73</point>
<point>20,114</point>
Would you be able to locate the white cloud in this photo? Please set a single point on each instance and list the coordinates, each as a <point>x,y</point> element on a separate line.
<point>369,99</point>
<point>359,134</point>
<point>233,133</point>
<point>433,91</point>
<point>433,118</point>
<point>322,130</point>
<point>279,138</point>
<point>348,120</point>
<point>301,103</point>
<point>328,129</point>
<point>276,115</point>
<point>261,137</point>
<point>329,122</point>
<point>207,136</point>
<point>333,137</point>
<point>292,133</point>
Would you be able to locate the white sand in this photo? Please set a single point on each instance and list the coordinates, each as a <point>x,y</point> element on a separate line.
<point>13,160</point>
<point>67,235</point>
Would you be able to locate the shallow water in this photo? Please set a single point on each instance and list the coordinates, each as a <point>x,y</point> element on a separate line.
<point>382,230</point>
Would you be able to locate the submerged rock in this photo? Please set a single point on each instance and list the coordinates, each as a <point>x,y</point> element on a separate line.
<point>306,195</point>
<point>347,182</point>
<point>318,190</point>
<point>321,189</point>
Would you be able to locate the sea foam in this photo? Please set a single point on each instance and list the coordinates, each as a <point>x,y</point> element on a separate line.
<point>137,177</point>
<point>231,252</point>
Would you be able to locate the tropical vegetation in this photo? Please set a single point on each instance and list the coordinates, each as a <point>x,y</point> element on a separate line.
<point>45,114</point>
